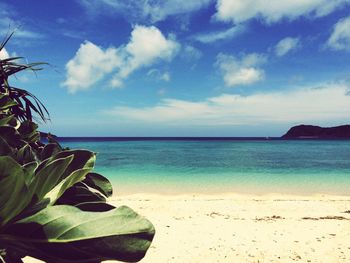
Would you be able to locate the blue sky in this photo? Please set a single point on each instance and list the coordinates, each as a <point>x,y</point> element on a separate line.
<point>184,68</point>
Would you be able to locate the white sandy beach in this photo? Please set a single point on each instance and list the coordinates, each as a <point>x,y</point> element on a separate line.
<point>242,228</point>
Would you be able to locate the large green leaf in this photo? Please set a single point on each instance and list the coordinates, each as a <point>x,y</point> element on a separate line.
<point>81,196</point>
<point>28,130</point>
<point>29,171</point>
<point>79,193</point>
<point>95,206</point>
<point>82,159</point>
<point>49,176</point>
<point>80,165</point>
<point>26,154</point>
<point>15,195</point>
<point>67,234</point>
<point>72,179</point>
<point>100,183</point>
<point>50,149</point>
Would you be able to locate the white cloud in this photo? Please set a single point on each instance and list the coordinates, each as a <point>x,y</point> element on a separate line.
<point>156,74</point>
<point>191,53</point>
<point>340,37</point>
<point>286,45</point>
<point>241,71</point>
<point>144,10</point>
<point>302,105</point>
<point>220,35</point>
<point>4,54</point>
<point>91,63</point>
<point>146,46</point>
<point>165,76</point>
<point>26,34</point>
<point>10,21</point>
<point>274,10</point>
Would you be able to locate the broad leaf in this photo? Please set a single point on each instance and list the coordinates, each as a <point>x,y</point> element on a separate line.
<point>29,131</point>
<point>49,176</point>
<point>72,179</point>
<point>81,164</point>
<point>67,234</point>
<point>82,159</point>
<point>15,195</point>
<point>95,206</point>
<point>26,154</point>
<point>50,149</point>
<point>29,169</point>
<point>100,183</point>
<point>79,193</point>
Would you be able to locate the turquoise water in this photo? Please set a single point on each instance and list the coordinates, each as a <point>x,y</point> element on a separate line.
<point>244,166</point>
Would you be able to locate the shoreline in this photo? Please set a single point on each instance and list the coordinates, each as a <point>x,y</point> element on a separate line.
<point>229,195</point>
<point>165,189</point>
<point>242,185</point>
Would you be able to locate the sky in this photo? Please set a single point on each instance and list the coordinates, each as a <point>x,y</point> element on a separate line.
<point>183,68</point>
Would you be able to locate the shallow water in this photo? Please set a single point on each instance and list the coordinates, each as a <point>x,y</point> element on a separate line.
<point>244,166</point>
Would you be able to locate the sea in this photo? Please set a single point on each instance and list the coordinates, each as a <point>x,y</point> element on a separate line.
<point>220,165</point>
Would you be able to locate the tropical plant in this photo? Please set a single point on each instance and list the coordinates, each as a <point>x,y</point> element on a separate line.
<point>52,205</point>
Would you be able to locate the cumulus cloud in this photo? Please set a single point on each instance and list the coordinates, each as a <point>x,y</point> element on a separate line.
<point>340,37</point>
<point>286,45</point>
<point>220,35</point>
<point>241,71</point>
<point>4,54</point>
<point>91,63</point>
<point>143,10</point>
<point>146,46</point>
<point>306,104</point>
<point>242,10</point>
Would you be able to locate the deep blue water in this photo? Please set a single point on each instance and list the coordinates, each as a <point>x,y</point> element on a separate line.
<point>225,165</point>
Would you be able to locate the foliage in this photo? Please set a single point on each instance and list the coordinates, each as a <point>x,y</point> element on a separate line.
<point>52,205</point>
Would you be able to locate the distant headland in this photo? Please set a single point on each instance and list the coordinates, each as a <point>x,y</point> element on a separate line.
<point>317,132</point>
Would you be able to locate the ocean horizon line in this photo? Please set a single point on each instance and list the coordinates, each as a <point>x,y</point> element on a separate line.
<point>160,138</point>
<point>183,138</point>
